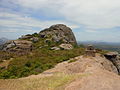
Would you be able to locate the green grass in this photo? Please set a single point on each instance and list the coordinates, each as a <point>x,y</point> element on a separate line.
<point>38,61</point>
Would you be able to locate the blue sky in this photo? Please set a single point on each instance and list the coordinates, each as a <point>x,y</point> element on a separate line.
<point>90,20</point>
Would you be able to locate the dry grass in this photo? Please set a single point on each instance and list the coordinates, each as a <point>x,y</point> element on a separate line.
<point>49,83</point>
<point>54,82</point>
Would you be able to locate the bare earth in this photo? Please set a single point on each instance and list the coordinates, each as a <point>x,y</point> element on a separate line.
<point>86,73</point>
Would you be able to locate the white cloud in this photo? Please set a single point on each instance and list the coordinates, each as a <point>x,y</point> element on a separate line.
<point>25,23</point>
<point>90,31</point>
<point>15,30</point>
<point>9,31</point>
<point>91,13</point>
<point>93,16</point>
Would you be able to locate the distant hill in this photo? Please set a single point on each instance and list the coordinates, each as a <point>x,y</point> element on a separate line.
<point>112,46</point>
<point>3,40</point>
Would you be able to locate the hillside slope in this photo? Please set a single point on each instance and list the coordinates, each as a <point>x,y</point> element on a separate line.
<point>79,73</point>
<point>35,53</point>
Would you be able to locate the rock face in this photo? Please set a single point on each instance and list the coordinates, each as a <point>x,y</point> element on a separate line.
<point>18,46</point>
<point>98,74</point>
<point>115,59</point>
<point>59,33</point>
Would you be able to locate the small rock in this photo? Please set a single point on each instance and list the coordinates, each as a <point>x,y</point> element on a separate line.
<point>66,46</point>
<point>55,48</point>
<point>35,39</point>
<point>26,37</point>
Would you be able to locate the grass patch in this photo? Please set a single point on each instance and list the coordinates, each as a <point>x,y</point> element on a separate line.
<point>38,61</point>
<point>51,83</point>
<point>60,80</point>
<point>57,81</point>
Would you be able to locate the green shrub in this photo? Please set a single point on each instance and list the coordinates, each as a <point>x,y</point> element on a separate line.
<point>35,35</point>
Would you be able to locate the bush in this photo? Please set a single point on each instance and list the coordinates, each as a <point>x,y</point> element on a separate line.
<point>36,35</point>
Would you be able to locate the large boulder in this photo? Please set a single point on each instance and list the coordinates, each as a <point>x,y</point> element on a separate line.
<point>59,33</point>
<point>19,46</point>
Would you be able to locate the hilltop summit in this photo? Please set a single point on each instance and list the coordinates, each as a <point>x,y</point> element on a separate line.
<point>59,33</point>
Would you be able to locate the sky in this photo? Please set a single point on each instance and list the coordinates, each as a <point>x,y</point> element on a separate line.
<point>90,20</point>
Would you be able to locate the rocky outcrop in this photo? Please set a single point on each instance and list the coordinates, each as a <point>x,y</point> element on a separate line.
<point>114,57</point>
<point>19,46</point>
<point>59,33</point>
